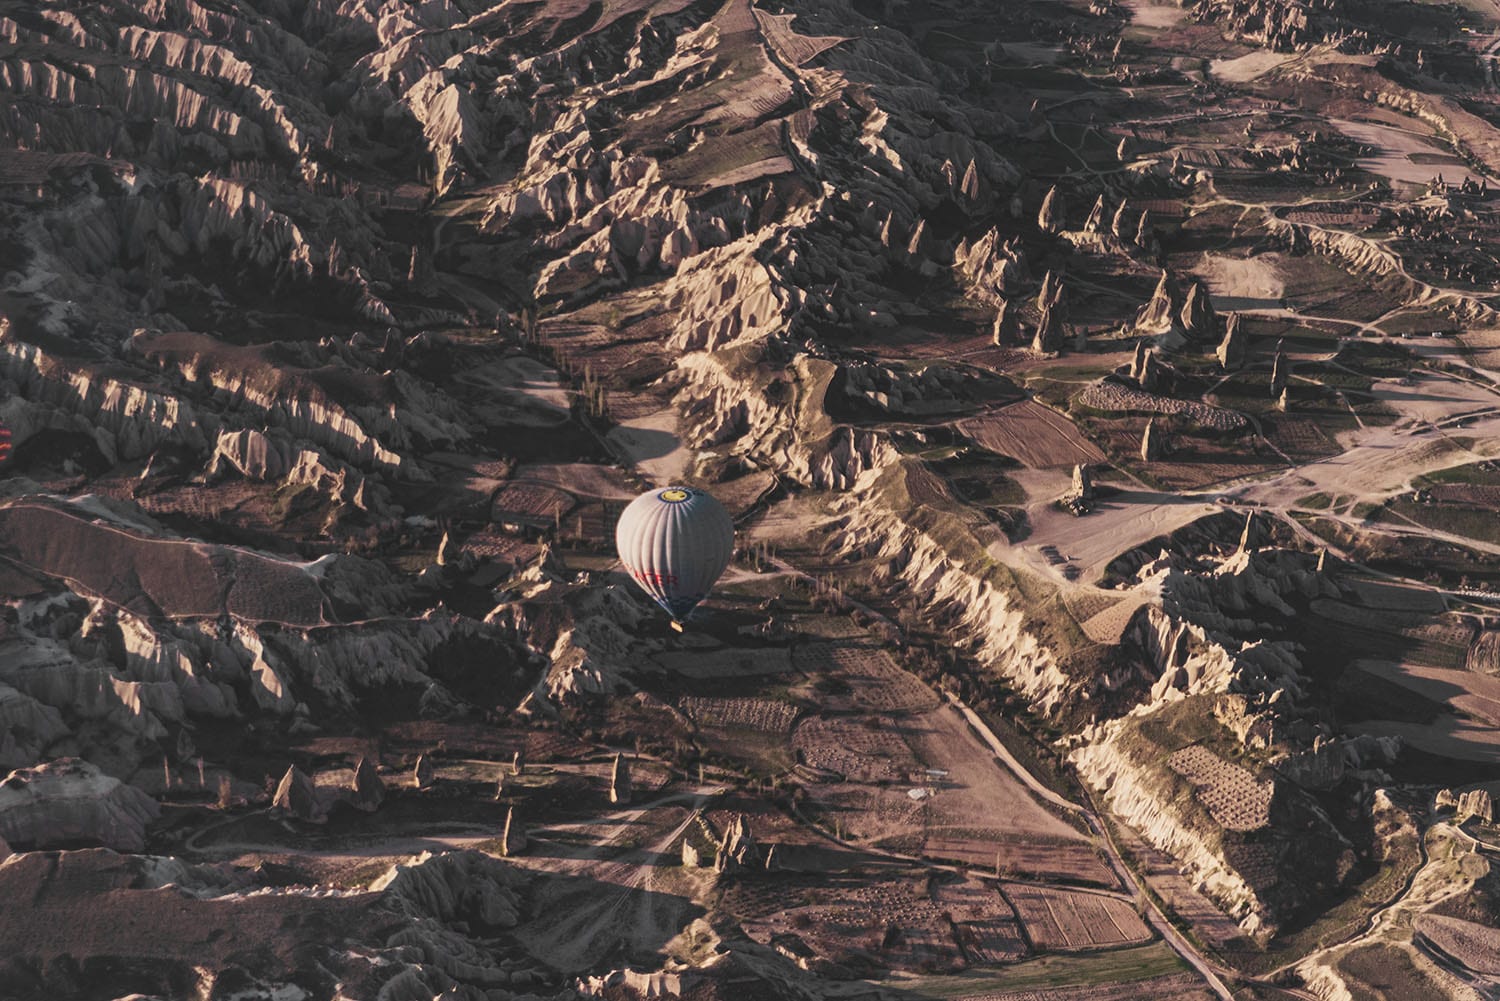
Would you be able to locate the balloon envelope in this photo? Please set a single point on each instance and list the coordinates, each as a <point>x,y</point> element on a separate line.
<point>675,542</point>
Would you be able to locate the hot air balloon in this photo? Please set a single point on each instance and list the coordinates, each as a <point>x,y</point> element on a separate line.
<point>675,542</point>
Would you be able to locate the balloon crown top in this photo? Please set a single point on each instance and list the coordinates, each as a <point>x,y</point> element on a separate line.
<point>674,495</point>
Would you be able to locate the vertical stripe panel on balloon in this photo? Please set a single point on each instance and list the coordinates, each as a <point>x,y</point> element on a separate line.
<point>661,548</point>
<point>656,540</point>
<point>682,545</point>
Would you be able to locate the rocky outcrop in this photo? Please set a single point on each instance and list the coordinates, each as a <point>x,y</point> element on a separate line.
<point>1130,796</point>
<point>296,796</point>
<point>1161,312</point>
<point>1051,217</point>
<point>1083,483</point>
<point>1006,330</point>
<point>619,781</point>
<point>1095,221</point>
<point>68,802</point>
<point>1049,332</point>
<point>991,268</point>
<point>1197,317</point>
<point>1473,803</point>
<point>456,886</point>
<point>1233,349</point>
<point>513,837</point>
<point>1153,442</point>
<point>1280,370</point>
<point>1121,224</point>
<point>900,541</point>
<point>738,849</point>
<point>423,774</point>
<point>366,791</point>
<point>275,457</point>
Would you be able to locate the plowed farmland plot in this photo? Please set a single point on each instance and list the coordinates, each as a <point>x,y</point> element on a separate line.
<point>1468,495</point>
<point>925,784</point>
<point>861,749</point>
<point>896,920</point>
<point>1074,862</point>
<point>1069,919</point>
<point>730,663</point>
<point>1236,798</point>
<point>488,545</point>
<point>973,791</point>
<point>530,502</point>
<point>874,680</point>
<point>763,715</point>
<point>1299,436</point>
<point>988,942</point>
<point>1033,435</point>
<point>983,922</point>
<point>272,591</point>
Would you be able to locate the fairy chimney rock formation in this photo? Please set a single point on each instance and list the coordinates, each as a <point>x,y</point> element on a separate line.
<point>1050,218</point>
<point>1476,803</point>
<point>690,857</point>
<point>1153,442</point>
<point>1145,233</point>
<point>366,791</point>
<point>513,839</point>
<point>1231,350</point>
<point>1245,532</point>
<point>423,774</point>
<point>1049,332</point>
<point>619,781</point>
<point>1083,483</point>
<point>1138,360</point>
<point>969,187</point>
<point>1096,217</point>
<point>1145,367</point>
<point>1278,372</point>
<point>1051,292</point>
<point>1197,316</point>
<point>739,849</point>
<point>296,796</point>
<point>915,245</point>
<point>1006,330</point>
<point>1160,311</point>
<point>1120,224</point>
<point>517,762</point>
<point>1284,401</point>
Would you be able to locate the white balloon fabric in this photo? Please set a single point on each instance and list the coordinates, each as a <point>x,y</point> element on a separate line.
<point>675,542</point>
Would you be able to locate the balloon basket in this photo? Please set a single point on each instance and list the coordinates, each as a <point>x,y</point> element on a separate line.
<point>677,625</point>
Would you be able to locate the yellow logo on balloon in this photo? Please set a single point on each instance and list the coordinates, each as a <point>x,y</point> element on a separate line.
<point>674,496</point>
